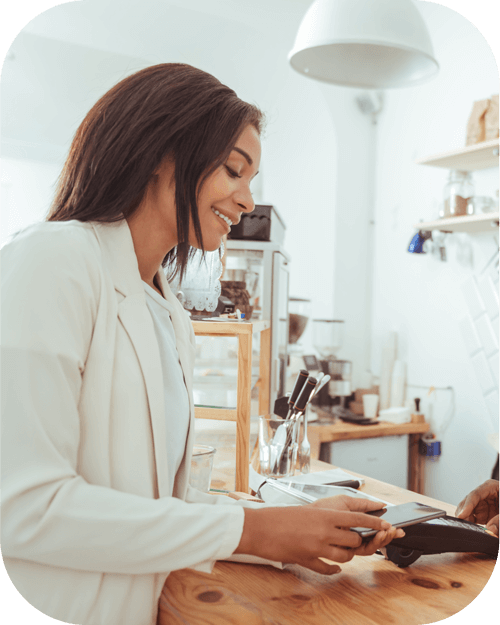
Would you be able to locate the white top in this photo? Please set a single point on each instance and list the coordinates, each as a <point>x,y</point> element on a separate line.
<point>176,396</point>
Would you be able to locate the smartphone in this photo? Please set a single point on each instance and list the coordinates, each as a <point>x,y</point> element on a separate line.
<point>400,516</point>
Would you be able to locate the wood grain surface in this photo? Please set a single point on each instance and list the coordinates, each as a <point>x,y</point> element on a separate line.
<point>368,590</point>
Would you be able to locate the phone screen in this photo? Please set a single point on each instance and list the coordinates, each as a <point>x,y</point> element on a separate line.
<point>402,515</point>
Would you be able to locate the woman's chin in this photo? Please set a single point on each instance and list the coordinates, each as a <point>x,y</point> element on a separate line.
<point>210,245</point>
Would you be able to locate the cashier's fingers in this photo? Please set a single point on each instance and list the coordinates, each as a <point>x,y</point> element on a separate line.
<point>479,503</point>
<point>492,525</point>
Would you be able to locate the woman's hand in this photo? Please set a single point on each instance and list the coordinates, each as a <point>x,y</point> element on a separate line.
<point>355,504</point>
<point>304,534</point>
<point>481,506</point>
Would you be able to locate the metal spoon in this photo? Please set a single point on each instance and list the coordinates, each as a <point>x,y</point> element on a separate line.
<point>305,449</point>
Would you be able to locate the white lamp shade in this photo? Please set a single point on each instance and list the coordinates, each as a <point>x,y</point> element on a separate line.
<point>372,44</point>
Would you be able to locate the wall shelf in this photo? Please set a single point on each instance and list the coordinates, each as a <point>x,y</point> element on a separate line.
<point>468,223</point>
<point>473,157</point>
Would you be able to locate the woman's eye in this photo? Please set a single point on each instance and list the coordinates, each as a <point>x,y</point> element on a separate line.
<point>232,173</point>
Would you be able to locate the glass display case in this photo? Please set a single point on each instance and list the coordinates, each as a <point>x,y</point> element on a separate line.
<point>261,269</point>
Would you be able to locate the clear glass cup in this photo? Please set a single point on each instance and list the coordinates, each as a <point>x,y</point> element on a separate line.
<point>201,467</point>
<point>278,446</point>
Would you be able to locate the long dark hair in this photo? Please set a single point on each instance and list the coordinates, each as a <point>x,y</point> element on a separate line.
<point>168,110</point>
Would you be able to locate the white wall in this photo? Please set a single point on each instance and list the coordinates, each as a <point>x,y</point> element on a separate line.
<point>299,176</point>
<point>27,188</point>
<point>419,296</point>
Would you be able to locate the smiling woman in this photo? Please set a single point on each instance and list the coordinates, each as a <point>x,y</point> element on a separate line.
<point>97,415</point>
<point>164,130</point>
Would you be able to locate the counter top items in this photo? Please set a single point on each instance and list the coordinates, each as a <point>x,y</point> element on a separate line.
<point>368,590</point>
<point>312,485</point>
<point>264,223</point>
<point>356,406</point>
<point>370,405</point>
<point>305,448</point>
<point>201,467</point>
<point>395,415</point>
<point>236,291</point>
<point>277,491</point>
<point>350,417</point>
<point>277,445</point>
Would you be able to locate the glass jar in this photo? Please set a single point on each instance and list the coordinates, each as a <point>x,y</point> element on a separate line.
<point>200,288</point>
<point>457,193</point>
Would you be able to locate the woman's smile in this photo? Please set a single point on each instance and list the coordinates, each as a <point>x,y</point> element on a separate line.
<point>227,221</point>
<point>226,194</point>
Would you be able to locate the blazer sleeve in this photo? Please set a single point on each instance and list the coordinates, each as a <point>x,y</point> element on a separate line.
<point>50,514</point>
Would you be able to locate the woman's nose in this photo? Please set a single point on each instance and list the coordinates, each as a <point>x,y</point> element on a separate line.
<point>245,200</point>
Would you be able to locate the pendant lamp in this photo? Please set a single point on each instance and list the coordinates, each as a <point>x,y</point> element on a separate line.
<point>371,44</point>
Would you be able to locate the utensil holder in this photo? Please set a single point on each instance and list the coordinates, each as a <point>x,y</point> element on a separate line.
<point>277,446</point>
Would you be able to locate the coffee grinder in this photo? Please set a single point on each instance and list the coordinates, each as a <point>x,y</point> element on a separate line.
<point>327,340</point>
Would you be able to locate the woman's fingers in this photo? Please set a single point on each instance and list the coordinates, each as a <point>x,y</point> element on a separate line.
<point>380,540</point>
<point>359,519</point>
<point>357,504</point>
<point>322,565</point>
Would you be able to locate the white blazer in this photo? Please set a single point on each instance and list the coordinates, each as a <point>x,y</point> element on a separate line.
<point>89,529</point>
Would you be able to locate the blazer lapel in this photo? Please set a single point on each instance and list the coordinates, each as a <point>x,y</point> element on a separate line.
<point>119,255</point>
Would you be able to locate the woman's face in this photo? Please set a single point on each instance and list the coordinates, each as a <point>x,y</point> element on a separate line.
<point>225,195</point>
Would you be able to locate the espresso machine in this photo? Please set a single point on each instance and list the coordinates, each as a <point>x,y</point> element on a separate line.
<point>327,340</point>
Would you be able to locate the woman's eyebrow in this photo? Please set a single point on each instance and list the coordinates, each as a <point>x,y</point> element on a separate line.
<point>243,153</point>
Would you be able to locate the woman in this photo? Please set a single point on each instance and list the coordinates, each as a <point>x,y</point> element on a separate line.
<point>98,364</point>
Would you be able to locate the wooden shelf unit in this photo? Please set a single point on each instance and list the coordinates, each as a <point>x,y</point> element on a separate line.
<point>471,158</point>
<point>244,330</point>
<point>467,223</point>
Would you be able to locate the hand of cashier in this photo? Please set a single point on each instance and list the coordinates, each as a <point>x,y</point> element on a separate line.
<point>481,506</point>
<point>315,535</point>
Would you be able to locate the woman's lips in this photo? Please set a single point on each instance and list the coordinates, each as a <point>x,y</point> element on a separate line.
<point>225,219</point>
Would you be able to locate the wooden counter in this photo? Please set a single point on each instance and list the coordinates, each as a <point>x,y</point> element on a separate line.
<point>369,590</point>
<point>319,432</point>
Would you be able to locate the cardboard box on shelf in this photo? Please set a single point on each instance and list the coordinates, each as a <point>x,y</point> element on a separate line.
<point>483,121</point>
<point>476,128</point>
<point>491,119</point>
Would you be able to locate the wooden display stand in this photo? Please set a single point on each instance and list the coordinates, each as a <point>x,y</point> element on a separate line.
<point>244,331</point>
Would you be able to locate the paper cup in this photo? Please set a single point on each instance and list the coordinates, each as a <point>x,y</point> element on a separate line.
<point>370,405</point>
